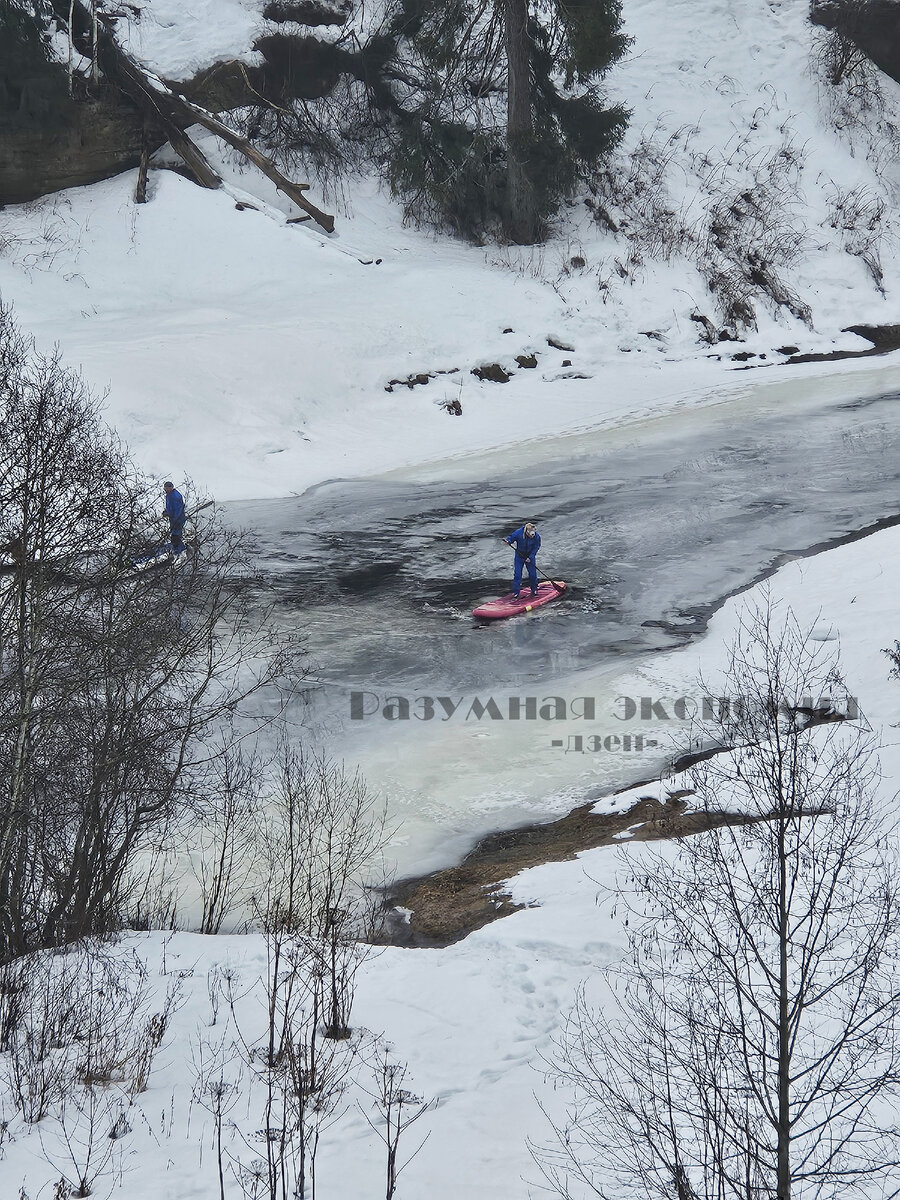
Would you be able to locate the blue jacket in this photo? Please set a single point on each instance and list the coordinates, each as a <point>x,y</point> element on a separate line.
<point>526,546</point>
<point>175,507</point>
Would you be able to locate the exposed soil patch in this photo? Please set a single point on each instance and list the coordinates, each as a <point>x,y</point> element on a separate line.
<point>492,372</point>
<point>884,339</point>
<point>447,905</point>
<point>306,12</point>
<point>418,378</point>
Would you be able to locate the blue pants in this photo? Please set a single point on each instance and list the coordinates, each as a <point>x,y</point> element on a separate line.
<point>517,574</point>
<point>176,536</point>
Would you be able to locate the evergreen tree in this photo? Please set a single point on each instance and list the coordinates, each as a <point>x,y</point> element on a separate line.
<point>33,87</point>
<point>497,107</point>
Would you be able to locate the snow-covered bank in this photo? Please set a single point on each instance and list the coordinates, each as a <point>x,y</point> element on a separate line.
<point>253,357</point>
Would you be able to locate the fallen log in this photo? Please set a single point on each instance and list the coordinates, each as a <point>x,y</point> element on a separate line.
<point>294,191</point>
<point>193,157</point>
<point>140,191</point>
<point>170,111</point>
<point>99,42</point>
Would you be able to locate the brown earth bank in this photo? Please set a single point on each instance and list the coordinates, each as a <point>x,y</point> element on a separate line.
<point>439,909</point>
<point>443,907</point>
<point>885,339</point>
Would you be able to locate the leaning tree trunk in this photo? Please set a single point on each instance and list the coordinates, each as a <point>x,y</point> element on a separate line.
<point>173,113</point>
<point>522,217</point>
<point>294,191</point>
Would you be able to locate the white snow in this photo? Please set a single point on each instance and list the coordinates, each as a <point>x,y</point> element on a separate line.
<point>177,40</point>
<point>253,356</point>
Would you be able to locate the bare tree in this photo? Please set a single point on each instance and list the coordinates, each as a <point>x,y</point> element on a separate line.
<point>217,1090</point>
<point>318,844</point>
<point>117,687</point>
<point>78,1043</point>
<point>87,1138</point>
<point>322,838</point>
<point>750,1047</point>
<point>303,1074</point>
<point>220,835</point>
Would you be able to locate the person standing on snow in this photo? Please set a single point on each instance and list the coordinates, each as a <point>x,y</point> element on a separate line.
<point>526,541</point>
<point>174,510</point>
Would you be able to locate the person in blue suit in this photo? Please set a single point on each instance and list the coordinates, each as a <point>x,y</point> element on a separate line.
<point>174,510</point>
<point>526,541</point>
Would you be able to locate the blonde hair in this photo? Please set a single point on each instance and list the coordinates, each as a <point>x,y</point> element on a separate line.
<point>530,525</point>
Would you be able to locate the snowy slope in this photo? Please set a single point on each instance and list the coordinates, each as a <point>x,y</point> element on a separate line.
<point>254,355</point>
<point>728,97</point>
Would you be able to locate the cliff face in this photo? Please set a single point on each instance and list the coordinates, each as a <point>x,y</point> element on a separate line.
<point>48,138</point>
<point>92,140</point>
<point>874,25</point>
<point>59,132</point>
<point>49,141</point>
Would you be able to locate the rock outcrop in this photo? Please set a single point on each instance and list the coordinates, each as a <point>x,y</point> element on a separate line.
<point>96,138</point>
<point>50,140</point>
<point>873,25</point>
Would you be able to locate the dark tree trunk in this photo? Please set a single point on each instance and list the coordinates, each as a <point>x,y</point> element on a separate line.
<point>785,1031</point>
<point>522,220</point>
<point>140,192</point>
<point>175,113</point>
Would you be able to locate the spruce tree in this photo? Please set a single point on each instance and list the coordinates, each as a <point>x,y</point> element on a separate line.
<point>497,107</point>
<point>33,87</point>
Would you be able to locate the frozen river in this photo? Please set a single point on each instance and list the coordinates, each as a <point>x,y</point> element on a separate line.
<point>652,524</point>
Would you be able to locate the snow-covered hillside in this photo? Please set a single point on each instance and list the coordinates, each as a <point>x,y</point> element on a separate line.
<point>259,357</point>
<point>253,355</point>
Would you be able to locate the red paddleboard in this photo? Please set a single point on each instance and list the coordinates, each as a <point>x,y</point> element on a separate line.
<point>509,605</point>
